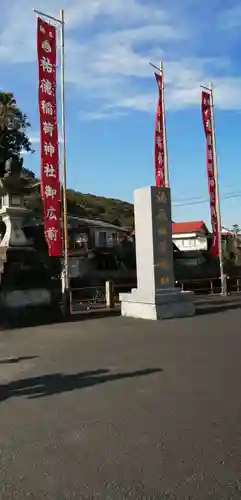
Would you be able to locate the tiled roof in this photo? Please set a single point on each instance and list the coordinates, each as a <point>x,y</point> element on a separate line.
<point>185,227</point>
<point>189,227</point>
<point>95,222</point>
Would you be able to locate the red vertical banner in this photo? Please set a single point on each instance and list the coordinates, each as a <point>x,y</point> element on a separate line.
<point>208,129</point>
<point>159,147</point>
<point>49,154</point>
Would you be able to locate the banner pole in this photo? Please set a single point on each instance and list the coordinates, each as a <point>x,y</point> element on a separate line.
<point>65,275</point>
<point>65,270</point>
<point>166,170</point>
<point>222,276</point>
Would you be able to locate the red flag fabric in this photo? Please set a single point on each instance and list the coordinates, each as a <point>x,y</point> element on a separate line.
<point>207,123</point>
<point>159,147</point>
<point>49,154</point>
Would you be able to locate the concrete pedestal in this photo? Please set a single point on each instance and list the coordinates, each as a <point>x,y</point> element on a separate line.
<point>166,305</point>
<point>156,296</point>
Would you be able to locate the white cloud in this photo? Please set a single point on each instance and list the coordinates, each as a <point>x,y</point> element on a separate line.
<point>17,36</point>
<point>183,81</point>
<point>230,18</point>
<point>101,115</point>
<point>80,13</point>
<point>138,102</point>
<point>108,49</point>
<point>228,93</point>
<point>35,139</point>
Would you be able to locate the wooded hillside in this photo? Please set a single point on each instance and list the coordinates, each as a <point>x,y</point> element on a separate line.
<point>14,140</point>
<point>110,210</point>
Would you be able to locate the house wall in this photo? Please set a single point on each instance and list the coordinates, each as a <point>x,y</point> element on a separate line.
<point>190,241</point>
<point>105,237</point>
<point>78,266</point>
<point>99,237</point>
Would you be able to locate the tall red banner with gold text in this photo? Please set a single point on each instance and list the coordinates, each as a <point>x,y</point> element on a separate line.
<point>207,123</point>
<point>49,154</point>
<point>159,148</point>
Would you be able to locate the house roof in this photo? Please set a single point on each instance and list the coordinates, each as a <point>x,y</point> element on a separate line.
<point>185,227</point>
<point>189,227</point>
<point>95,223</point>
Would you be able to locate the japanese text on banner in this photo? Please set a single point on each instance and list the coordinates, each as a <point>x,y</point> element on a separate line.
<point>207,123</point>
<point>49,161</point>
<point>159,147</point>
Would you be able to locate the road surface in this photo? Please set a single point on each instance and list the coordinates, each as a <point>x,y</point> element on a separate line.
<point>115,408</point>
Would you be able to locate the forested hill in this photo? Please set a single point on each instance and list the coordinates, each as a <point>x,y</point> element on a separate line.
<point>117,212</point>
<point>14,127</point>
<point>110,210</point>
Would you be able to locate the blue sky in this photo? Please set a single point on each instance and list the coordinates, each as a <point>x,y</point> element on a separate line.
<point>111,93</point>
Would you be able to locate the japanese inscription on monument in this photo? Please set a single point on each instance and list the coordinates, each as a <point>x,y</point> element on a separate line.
<point>162,238</point>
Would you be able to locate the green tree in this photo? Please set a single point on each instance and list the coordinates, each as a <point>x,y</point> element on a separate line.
<point>14,139</point>
<point>236,229</point>
<point>13,129</point>
<point>236,242</point>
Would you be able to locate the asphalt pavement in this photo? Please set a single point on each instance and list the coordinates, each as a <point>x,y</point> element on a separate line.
<point>114,408</point>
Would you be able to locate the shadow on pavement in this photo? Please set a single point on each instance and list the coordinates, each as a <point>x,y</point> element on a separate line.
<point>202,309</point>
<point>218,299</point>
<point>81,316</point>
<point>93,314</point>
<point>57,383</point>
<point>9,361</point>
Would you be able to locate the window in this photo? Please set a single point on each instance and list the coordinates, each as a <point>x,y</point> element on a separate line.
<point>189,243</point>
<point>102,239</point>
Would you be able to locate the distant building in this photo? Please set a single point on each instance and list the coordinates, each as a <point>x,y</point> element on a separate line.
<point>190,236</point>
<point>101,234</point>
<point>88,234</point>
<point>231,246</point>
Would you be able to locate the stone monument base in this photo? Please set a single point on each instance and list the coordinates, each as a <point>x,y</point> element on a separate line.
<point>27,292</point>
<point>166,304</point>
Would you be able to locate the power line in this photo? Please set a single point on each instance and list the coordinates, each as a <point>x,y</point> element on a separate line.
<point>206,200</point>
<point>190,198</point>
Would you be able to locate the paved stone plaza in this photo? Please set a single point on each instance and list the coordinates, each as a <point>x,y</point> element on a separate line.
<point>115,408</point>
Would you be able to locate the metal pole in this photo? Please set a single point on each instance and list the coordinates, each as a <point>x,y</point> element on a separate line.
<point>47,16</point>
<point>65,275</point>
<point>166,170</point>
<point>222,276</point>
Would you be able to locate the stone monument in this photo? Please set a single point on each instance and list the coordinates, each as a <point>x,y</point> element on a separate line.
<point>25,285</point>
<point>12,210</point>
<point>155,296</point>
